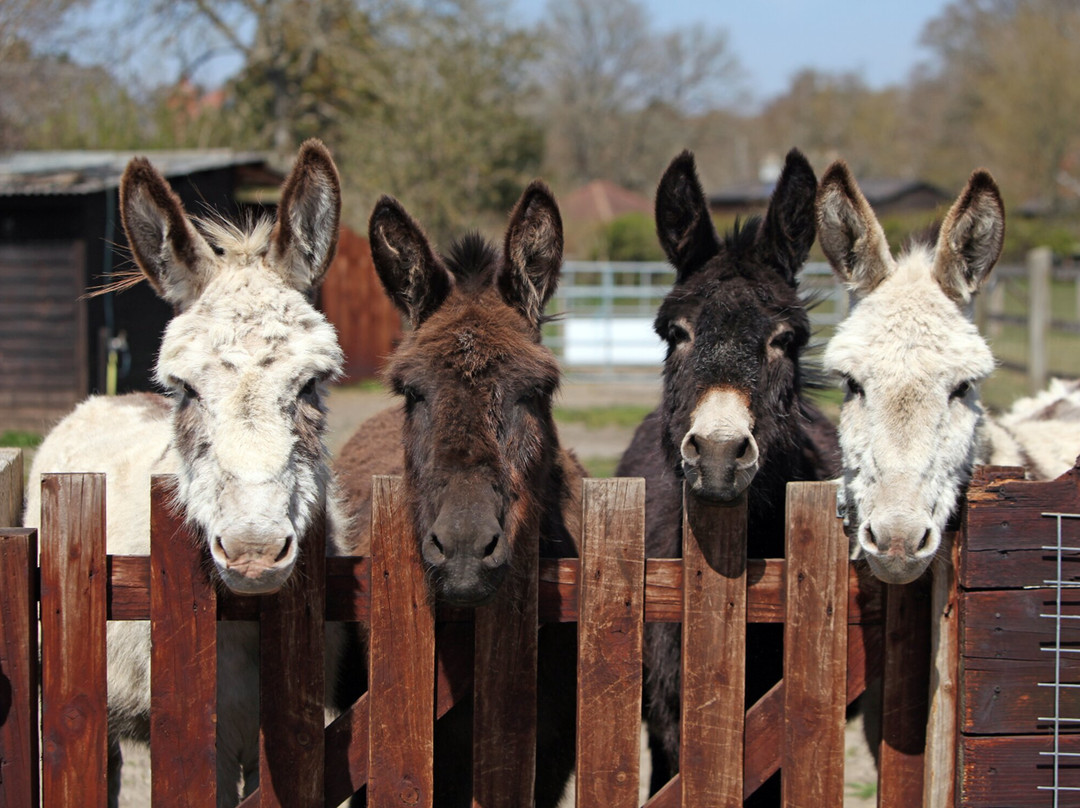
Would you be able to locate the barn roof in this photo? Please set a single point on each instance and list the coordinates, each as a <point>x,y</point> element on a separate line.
<point>878,192</point>
<point>602,201</point>
<point>62,173</point>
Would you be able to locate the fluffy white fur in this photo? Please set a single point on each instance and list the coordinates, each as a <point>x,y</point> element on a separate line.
<point>244,359</point>
<point>911,426</point>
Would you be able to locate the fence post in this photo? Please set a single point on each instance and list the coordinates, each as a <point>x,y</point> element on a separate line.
<point>11,487</point>
<point>19,783</point>
<point>402,658</point>
<point>939,778</point>
<point>612,600</point>
<point>1039,264</point>
<point>815,648</point>
<point>183,661</point>
<point>73,614</point>
<point>713,653</point>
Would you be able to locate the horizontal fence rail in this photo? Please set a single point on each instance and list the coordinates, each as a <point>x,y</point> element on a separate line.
<point>424,660</point>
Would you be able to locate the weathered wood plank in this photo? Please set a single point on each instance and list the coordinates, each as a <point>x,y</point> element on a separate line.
<point>73,726</point>
<point>1008,770</point>
<point>346,749</point>
<point>292,635</point>
<point>402,658</point>
<point>815,648</point>
<point>713,653</point>
<point>504,686</point>
<point>610,643</point>
<point>939,763</point>
<point>906,693</point>
<point>1003,696</point>
<point>1006,531</point>
<point>11,487</point>
<point>183,661</point>
<point>19,782</point>
<point>1006,624</point>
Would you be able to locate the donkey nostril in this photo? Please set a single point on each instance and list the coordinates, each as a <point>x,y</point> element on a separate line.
<point>220,546</point>
<point>491,545</point>
<point>691,450</point>
<point>284,550</point>
<point>437,543</point>
<point>924,541</point>
<point>871,539</point>
<point>744,447</point>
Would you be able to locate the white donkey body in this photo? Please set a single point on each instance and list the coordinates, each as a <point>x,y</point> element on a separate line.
<point>911,426</point>
<point>244,359</point>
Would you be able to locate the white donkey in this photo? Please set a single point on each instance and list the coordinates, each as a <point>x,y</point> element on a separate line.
<point>244,359</point>
<point>911,426</point>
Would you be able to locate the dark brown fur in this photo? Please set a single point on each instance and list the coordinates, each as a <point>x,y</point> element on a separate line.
<point>736,296</point>
<point>477,444</point>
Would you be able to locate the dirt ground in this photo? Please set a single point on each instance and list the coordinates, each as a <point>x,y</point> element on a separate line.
<point>351,406</point>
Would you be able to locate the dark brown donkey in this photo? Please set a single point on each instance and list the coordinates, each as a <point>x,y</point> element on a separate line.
<point>732,417</point>
<point>481,462</point>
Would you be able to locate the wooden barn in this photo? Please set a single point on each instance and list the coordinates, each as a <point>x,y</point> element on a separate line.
<point>60,236</point>
<point>886,196</point>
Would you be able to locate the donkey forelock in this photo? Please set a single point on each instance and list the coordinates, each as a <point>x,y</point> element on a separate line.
<point>244,360</point>
<point>911,359</point>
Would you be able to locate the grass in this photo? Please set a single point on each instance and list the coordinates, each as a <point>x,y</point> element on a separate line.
<point>18,439</point>
<point>600,466</point>
<point>622,415</point>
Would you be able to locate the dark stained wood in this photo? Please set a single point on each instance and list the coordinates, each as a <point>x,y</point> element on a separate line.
<point>1006,624</point>
<point>1003,697</point>
<point>183,661</point>
<point>292,682</point>
<point>348,596</point>
<point>906,692</point>
<point>610,643</point>
<point>504,685</point>
<point>713,653</point>
<point>73,725</point>
<point>815,647</point>
<point>11,487</point>
<point>1006,531</point>
<point>1008,770</point>
<point>19,783</point>
<point>347,753</point>
<point>402,659</point>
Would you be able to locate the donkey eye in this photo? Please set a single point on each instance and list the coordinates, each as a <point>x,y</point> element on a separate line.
<point>961,390</point>
<point>187,392</point>
<point>308,390</point>
<point>853,387</point>
<point>412,396</point>
<point>677,334</point>
<point>782,341</point>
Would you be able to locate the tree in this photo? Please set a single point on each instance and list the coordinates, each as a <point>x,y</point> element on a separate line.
<point>1010,67</point>
<point>617,92</point>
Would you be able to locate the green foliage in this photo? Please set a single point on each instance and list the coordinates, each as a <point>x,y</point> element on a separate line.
<point>623,415</point>
<point>18,439</point>
<point>1024,233</point>
<point>630,237</point>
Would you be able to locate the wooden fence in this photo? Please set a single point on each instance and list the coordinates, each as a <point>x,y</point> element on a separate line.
<point>833,643</point>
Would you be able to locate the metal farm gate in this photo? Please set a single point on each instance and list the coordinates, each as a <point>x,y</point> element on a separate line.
<point>423,661</point>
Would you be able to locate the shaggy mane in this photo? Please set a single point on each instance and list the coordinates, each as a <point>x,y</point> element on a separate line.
<point>472,257</point>
<point>742,237</point>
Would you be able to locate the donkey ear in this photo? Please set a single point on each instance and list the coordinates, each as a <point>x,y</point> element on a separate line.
<point>533,252</point>
<point>414,278</point>
<point>683,223</point>
<point>971,237</point>
<point>175,258</point>
<point>787,232</point>
<point>849,232</point>
<point>306,234</point>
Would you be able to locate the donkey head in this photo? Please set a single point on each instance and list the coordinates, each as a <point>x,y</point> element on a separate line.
<point>244,359</point>
<point>734,327</point>
<point>910,359</point>
<point>480,443</point>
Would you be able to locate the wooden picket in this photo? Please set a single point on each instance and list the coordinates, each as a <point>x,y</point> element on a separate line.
<point>421,668</point>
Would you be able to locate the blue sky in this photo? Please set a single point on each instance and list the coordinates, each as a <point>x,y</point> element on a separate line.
<point>774,39</point>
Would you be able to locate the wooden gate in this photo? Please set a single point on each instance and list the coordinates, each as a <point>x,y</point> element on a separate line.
<point>833,644</point>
